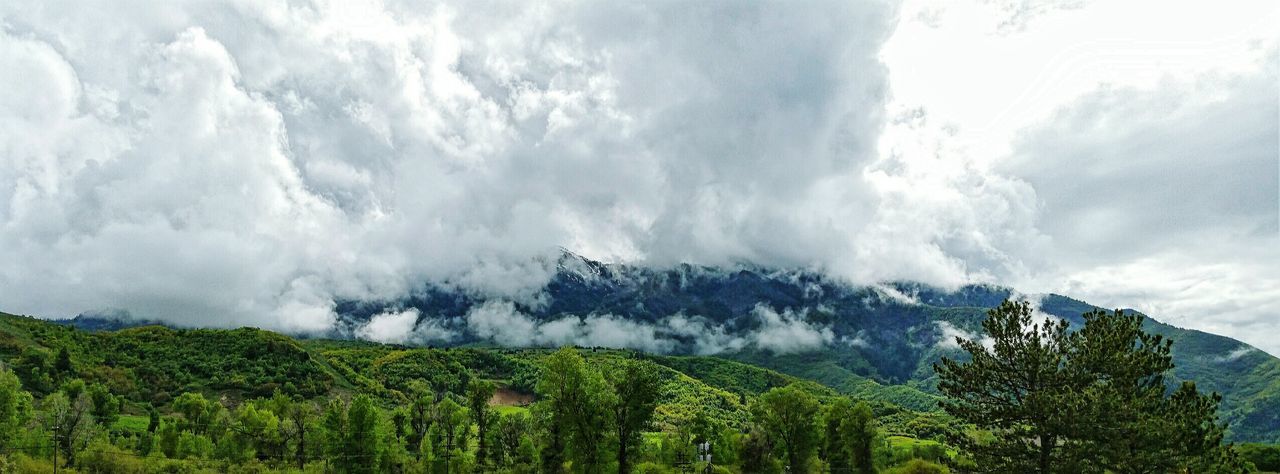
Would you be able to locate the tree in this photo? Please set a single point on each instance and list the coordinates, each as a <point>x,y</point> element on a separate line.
<point>69,420</point>
<point>15,408</point>
<point>1017,389</point>
<point>63,366</point>
<point>576,403</point>
<point>1127,423</point>
<point>789,414</point>
<point>35,368</point>
<point>167,440</point>
<point>296,416</point>
<point>635,388</point>
<point>334,426</point>
<point>834,447</point>
<point>362,438</point>
<point>419,415</point>
<point>850,433</point>
<point>197,412</point>
<point>1264,457</point>
<point>153,418</point>
<point>1090,401</point>
<point>479,392</point>
<point>106,407</point>
<point>450,425</point>
<point>511,431</point>
<point>755,449</point>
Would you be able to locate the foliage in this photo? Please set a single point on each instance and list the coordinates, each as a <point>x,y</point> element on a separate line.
<point>788,414</point>
<point>1093,400</point>
<point>634,388</point>
<point>383,408</point>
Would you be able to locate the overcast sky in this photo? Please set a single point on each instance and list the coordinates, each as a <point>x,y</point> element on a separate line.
<point>246,162</point>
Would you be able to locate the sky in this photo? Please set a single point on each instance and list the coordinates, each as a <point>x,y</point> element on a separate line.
<point>226,163</point>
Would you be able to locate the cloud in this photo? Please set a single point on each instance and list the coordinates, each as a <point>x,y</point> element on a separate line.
<point>1165,200</point>
<point>246,163</point>
<point>407,327</point>
<point>396,327</point>
<point>786,332</point>
<point>949,333</point>
<point>502,323</point>
<point>1235,354</point>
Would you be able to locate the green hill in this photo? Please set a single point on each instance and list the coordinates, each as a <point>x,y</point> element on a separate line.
<point>154,364</point>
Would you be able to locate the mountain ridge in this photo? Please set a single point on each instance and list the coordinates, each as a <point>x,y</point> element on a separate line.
<point>875,341</point>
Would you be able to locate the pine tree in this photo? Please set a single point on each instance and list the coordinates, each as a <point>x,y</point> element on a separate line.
<point>1095,400</point>
<point>1127,422</point>
<point>1017,389</point>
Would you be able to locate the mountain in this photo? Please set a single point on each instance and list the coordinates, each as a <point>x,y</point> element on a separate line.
<point>877,342</point>
<point>155,364</point>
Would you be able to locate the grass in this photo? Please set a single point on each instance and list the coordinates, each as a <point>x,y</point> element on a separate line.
<point>131,423</point>
<point>509,409</point>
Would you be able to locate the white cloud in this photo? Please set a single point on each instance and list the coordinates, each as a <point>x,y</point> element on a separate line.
<point>407,327</point>
<point>787,332</point>
<point>499,321</point>
<point>1236,354</point>
<point>391,327</point>
<point>238,162</point>
<point>949,333</point>
<point>245,162</point>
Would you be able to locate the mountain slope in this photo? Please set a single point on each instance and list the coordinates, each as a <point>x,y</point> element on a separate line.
<point>877,342</point>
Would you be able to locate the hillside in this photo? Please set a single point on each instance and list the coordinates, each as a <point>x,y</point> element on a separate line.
<point>154,364</point>
<point>876,342</point>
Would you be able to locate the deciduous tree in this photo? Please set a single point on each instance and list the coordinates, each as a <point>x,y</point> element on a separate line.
<point>790,416</point>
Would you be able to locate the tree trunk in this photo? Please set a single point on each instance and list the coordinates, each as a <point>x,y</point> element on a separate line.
<point>623,466</point>
<point>1046,449</point>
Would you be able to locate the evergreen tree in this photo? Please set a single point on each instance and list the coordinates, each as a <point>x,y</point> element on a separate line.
<point>1017,389</point>
<point>755,449</point>
<point>63,366</point>
<point>1125,421</point>
<point>153,418</point>
<point>1095,400</point>
<point>859,433</point>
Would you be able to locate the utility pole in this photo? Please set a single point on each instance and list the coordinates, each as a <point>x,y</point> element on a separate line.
<point>704,455</point>
<point>55,448</point>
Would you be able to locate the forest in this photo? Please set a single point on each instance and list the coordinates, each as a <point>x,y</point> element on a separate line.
<point>1028,395</point>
